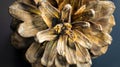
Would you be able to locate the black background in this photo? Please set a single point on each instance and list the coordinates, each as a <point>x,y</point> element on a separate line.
<point>10,57</point>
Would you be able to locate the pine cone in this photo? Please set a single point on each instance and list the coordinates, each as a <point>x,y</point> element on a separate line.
<point>62,33</point>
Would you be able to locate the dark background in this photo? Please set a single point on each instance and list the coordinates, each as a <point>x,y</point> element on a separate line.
<point>10,57</point>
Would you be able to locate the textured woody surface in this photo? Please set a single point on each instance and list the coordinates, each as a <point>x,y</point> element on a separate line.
<point>62,33</point>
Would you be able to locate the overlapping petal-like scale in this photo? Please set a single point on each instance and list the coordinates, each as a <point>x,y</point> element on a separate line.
<point>76,4</point>
<point>103,14</point>
<point>48,13</point>
<point>20,42</point>
<point>45,35</point>
<point>63,54</point>
<point>34,52</point>
<point>94,35</point>
<point>49,53</point>
<point>27,27</point>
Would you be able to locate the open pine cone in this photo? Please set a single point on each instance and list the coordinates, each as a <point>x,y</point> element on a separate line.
<point>62,33</point>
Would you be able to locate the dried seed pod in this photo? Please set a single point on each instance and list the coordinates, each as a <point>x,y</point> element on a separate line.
<point>66,32</point>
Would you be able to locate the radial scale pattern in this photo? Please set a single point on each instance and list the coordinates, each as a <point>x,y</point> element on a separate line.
<point>62,33</point>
